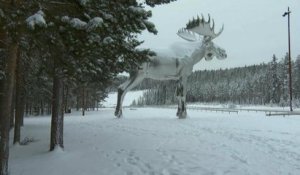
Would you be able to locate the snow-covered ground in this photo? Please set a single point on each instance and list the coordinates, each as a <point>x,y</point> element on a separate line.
<point>152,141</point>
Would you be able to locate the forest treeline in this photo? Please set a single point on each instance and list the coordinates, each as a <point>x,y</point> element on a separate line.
<point>257,84</point>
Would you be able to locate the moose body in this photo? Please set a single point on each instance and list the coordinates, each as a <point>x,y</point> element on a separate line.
<point>164,68</point>
<point>170,68</point>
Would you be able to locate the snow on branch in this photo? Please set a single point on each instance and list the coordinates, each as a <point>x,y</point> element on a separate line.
<point>137,9</point>
<point>36,20</point>
<point>108,40</point>
<point>83,2</point>
<point>150,26</point>
<point>82,25</point>
<point>94,23</point>
<point>77,23</point>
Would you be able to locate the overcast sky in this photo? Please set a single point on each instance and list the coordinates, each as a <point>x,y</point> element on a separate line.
<point>254,29</point>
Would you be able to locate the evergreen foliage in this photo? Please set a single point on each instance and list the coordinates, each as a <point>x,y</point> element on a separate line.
<point>275,84</point>
<point>296,80</point>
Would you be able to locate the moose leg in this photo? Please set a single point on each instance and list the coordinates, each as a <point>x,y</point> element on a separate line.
<point>123,89</point>
<point>184,82</point>
<point>118,111</point>
<point>181,96</point>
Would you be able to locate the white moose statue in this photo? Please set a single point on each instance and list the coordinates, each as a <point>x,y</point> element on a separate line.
<point>168,68</point>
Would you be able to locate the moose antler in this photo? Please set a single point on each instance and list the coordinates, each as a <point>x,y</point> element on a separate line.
<point>201,27</point>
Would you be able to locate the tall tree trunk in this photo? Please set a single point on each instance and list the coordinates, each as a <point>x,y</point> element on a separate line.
<point>77,102</point>
<point>5,105</point>
<point>42,107</point>
<point>49,107</point>
<point>30,108</point>
<point>57,122</point>
<point>83,101</point>
<point>20,100</point>
<point>87,104</point>
<point>66,99</point>
<point>97,104</point>
<point>27,108</point>
<point>12,108</point>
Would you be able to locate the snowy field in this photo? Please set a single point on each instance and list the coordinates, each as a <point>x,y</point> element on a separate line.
<point>152,141</point>
<point>111,99</point>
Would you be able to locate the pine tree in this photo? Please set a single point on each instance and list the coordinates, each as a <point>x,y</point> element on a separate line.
<point>91,40</point>
<point>296,76</point>
<point>284,81</point>
<point>274,82</point>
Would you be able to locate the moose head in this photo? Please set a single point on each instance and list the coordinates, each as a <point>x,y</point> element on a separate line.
<point>200,27</point>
